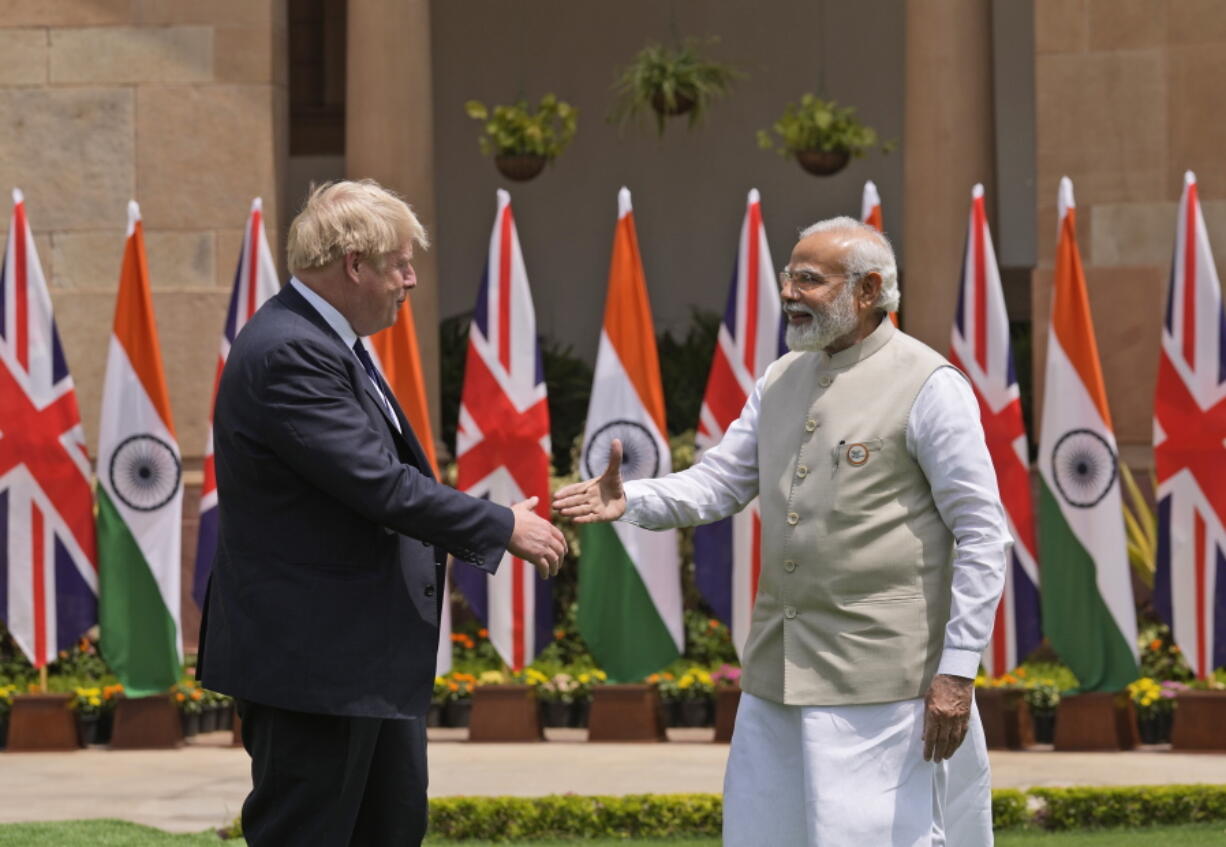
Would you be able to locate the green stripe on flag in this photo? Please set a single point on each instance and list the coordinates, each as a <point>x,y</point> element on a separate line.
<point>138,631</point>
<point>617,617</point>
<point>1077,621</point>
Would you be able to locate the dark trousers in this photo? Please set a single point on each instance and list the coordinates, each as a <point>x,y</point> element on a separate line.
<point>331,781</point>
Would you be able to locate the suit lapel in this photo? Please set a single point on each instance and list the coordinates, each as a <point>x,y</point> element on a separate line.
<point>295,302</point>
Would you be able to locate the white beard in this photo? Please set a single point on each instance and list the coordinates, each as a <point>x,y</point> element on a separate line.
<point>826,327</point>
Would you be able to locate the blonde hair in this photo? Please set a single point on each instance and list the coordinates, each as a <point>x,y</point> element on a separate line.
<point>350,216</point>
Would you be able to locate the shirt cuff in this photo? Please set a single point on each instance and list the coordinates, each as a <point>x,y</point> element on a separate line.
<point>634,503</point>
<point>958,662</point>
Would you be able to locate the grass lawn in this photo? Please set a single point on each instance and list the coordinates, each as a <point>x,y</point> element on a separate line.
<point>109,833</point>
<point>1193,835</point>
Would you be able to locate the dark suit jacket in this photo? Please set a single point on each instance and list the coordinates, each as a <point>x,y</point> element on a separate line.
<point>327,580</point>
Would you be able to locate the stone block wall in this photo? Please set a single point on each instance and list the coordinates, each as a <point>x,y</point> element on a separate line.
<point>1128,97</point>
<point>179,104</point>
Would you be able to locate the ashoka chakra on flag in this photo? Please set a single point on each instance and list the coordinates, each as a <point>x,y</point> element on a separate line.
<point>1084,466</point>
<point>145,472</point>
<point>640,455</point>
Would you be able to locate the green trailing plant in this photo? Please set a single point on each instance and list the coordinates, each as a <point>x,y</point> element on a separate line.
<point>815,124</point>
<point>664,81</point>
<point>520,130</point>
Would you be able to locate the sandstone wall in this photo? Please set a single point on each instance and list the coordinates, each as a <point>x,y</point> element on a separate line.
<point>178,104</point>
<point>1128,97</point>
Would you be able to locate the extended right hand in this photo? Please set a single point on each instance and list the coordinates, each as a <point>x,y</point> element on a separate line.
<point>536,540</point>
<point>596,500</point>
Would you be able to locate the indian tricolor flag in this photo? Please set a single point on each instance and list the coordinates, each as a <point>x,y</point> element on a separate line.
<point>140,492</point>
<point>629,578</point>
<point>1088,611</point>
<point>870,213</point>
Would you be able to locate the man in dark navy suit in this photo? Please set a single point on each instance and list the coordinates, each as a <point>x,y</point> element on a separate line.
<point>322,611</point>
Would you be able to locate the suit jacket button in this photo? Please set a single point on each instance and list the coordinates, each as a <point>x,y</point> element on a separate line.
<point>429,590</point>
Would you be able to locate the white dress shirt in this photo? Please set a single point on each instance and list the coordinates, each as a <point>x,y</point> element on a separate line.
<point>944,436</point>
<point>340,325</point>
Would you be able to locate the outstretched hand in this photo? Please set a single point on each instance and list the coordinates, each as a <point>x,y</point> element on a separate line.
<point>536,540</point>
<point>595,500</point>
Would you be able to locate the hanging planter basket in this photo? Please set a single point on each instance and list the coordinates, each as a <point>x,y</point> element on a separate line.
<point>684,103</point>
<point>823,162</point>
<point>520,167</point>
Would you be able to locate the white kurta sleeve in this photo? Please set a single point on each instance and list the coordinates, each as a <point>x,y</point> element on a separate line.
<point>945,436</point>
<point>720,484</point>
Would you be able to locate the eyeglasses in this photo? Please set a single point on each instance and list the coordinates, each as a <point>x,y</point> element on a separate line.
<point>807,280</point>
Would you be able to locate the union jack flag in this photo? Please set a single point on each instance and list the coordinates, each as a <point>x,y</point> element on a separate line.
<point>728,552</point>
<point>502,441</point>
<point>1190,447</point>
<point>255,280</point>
<point>48,554</point>
<point>980,347</point>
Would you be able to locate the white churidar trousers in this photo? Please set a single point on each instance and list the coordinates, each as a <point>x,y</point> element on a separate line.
<point>851,776</point>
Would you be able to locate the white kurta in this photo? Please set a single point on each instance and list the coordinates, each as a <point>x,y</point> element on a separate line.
<point>855,775</point>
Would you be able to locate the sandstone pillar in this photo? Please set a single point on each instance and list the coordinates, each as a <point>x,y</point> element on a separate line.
<point>389,132</point>
<point>947,147</point>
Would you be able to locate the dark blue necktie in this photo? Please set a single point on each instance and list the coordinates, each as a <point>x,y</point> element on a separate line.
<point>368,363</point>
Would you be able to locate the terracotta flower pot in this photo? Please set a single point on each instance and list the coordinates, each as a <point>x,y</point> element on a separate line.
<point>626,713</point>
<point>684,102</point>
<point>520,167</point>
<point>823,162</point>
<point>1005,718</point>
<point>727,700</point>
<point>505,713</point>
<point>1200,717</point>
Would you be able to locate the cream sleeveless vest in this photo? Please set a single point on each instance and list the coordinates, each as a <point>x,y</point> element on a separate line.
<point>854,591</point>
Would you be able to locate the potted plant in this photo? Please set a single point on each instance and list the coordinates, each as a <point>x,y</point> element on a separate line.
<point>822,135</point>
<point>697,693</point>
<point>190,701</point>
<point>587,682</point>
<point>6,705</point>
<point>86,703</point>
<point>434,717</point>
<point>522,140</point>
<point>1153,704</point>
<point>670,696</point>
<point>1042,698</point>
<point>557,698</point>
<point>727,681</point>
<point>458,707</point>
<point>670,82</point>
<point>111,694</point>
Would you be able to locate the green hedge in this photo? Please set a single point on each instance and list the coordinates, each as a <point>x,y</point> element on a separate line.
<point>688,815</point>
<point>1084,808</point>
<point>569,815</point>
<point>1009,809</point>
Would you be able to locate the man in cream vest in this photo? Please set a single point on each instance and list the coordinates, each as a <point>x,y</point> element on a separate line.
<point>883,559</point>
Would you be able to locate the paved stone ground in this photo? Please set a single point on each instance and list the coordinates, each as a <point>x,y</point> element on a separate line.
<point>202,785</point>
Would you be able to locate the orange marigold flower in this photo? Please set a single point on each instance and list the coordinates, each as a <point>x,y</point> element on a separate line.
<point>713,624</point>
<point>1021,672</point>
<point>180,697</point>
<point>457,636</point>
<point>483,633</point>
<point>1156,644</point>
<point>559,634</point>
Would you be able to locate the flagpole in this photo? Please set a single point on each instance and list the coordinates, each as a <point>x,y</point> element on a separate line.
<point>42,679</point>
